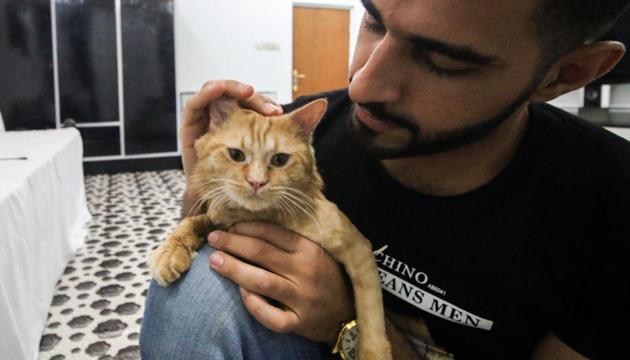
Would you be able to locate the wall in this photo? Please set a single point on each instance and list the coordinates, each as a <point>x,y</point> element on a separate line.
<point>217,40</point>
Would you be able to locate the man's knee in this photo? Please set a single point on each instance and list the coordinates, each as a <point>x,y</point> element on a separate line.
<point>190,318</point>
<point>202,316</point>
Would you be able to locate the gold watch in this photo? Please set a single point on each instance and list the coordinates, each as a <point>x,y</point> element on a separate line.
<point>347,345</point>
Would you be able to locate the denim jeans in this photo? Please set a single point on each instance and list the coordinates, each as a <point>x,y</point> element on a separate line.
<point>201,316</point>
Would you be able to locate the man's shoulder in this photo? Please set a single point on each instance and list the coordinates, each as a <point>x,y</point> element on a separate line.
<point>581,160</point>
<point>577,142</point>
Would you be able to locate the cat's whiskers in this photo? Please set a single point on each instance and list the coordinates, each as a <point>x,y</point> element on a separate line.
<point>219,199</point>
<point>196,206</point>
<point>297,191</point>
<point>297,202</point>
<point>285,206</point>
<point>307,203</point>
<point>215,191</point>
<point>212,197</point>
<point>200,185</point>
<point>298,195</point>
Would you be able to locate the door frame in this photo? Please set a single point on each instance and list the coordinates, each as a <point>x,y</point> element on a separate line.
<point>322,5</point>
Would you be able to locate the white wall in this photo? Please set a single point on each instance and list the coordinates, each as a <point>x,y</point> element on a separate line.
<point>217,40</point>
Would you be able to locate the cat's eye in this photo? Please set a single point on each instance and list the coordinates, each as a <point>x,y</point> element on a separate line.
<point>237,155</point>
<point>280,159</point>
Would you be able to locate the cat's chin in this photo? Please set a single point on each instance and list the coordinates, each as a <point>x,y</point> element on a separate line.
<point>253,203</point>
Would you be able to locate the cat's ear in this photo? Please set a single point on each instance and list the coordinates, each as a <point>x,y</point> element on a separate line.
<point>220,111</point>
<point>308,116</point>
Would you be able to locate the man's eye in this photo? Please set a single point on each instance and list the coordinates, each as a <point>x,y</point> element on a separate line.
<point>442,65</point>
<point>372,25</point>
<point>237,155</point>
<point>447,64</point>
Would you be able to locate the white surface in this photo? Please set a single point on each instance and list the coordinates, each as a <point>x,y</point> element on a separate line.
<point>572,100</point>
<point>623,132</point>
<point>42,214</point>
<point>620,96</point>
<point>217,40</point>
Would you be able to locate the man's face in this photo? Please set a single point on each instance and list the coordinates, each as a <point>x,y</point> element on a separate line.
<point>432,75</point>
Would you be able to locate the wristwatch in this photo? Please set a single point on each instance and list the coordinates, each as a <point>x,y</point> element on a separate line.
<point>347,345</point>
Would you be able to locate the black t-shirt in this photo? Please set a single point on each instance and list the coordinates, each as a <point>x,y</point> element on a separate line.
<point>540,248</point>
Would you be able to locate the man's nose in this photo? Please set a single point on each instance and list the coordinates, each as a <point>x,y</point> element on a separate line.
<point>379,79</point>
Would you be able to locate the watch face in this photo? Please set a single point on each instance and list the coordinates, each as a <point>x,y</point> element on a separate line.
<point>349,343</point>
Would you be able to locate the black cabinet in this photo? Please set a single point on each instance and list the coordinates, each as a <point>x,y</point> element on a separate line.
<point>149,76</point>
<point>86,52</point>
<point>26,65</point>
<point>100,141</point>
<point>107,64</point>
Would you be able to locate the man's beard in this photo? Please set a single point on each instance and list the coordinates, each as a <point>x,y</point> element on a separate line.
<point>420,145</point>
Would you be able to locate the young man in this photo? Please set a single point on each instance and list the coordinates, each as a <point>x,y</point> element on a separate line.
<point>496,219</point>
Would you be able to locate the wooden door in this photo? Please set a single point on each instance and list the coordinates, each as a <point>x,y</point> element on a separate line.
<point>321,46</point>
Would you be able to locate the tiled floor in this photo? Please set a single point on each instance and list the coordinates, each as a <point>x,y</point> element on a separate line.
<point>97,309</point>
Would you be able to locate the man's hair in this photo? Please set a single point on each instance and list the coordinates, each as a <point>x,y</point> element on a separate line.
<point>562,25</point>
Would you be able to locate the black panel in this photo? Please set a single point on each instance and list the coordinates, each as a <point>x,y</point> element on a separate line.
<point>86,38</point>
<point>149,73</point>
<point>119,166</point>
<point>100,141</point>
<point>26,65</point>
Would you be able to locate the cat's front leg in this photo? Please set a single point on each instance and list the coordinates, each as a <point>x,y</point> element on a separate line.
<point>348,246</point>
<point>174,256</point>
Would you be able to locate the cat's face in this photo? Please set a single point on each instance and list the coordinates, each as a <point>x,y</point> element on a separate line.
<point>256,162</point>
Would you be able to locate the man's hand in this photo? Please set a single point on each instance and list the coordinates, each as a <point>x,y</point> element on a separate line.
<point>294,271</point>
<point>197,120</point>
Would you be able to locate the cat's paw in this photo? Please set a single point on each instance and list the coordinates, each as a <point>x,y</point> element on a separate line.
<point>169,261</point>
<point>377,350</point>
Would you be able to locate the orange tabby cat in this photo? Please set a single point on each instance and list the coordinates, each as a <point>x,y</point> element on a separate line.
<point>256,168</point>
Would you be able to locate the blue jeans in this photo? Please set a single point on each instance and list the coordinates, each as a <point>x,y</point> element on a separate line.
<point>201,316</point>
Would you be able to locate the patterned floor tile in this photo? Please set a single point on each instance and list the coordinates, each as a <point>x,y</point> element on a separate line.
<point>98,304</point>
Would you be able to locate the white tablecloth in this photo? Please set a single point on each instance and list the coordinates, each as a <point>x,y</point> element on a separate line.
<point>42,216</point>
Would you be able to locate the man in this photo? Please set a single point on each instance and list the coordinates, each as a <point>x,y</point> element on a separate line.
<point>495,218</point>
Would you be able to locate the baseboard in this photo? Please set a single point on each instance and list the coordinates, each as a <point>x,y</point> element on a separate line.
<point>131,165</point>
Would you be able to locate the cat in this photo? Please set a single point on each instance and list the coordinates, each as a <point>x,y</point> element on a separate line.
<point>243,146</point>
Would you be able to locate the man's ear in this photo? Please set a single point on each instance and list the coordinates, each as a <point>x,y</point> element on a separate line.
<point>308,116</point>
<point>578,68</point>
<point>220,111</point>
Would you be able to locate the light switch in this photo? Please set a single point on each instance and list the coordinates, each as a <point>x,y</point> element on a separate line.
<point>268,46</point>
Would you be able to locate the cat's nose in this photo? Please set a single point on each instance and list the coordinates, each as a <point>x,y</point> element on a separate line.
<point>257,184</point>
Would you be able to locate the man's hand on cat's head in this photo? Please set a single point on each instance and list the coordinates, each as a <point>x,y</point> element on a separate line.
<point>290,269</point>
<point>197,115</point>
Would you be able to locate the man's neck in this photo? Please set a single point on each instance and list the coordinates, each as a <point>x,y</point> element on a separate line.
<point>464,169</point>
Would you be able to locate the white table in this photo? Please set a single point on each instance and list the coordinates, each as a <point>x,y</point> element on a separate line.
<point>42,216</point>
